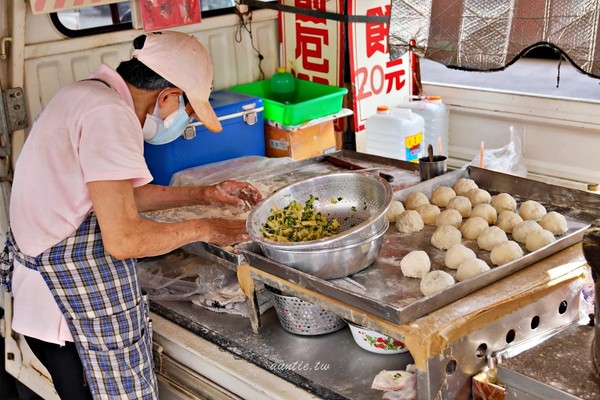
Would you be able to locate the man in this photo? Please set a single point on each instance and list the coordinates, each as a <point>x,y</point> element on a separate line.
<point>80,184</point>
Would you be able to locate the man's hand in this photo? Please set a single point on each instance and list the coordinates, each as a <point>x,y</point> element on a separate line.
<point>225,232</point>
<point>239,194</point>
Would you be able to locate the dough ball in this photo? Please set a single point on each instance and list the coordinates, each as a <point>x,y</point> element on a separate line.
<point>394,211</point>
<point>523,229</point>
<point>415,264</point>
<point>445,237</point>
<point>532,210</point>
<point>504,202</point>
<point>539,239</point>
<point>479,196</point>
<point>507,220</point>
<point>473,227</point>
<point>470,268</point>
<point>416,199</point>
<point>506,252</point>
<point>457,254</point>
<point>554,222</point>
<point>409,221</point>
<point>463,185</point>
<point>491,237</point>
<point>441,195</point>
<point>461,204</point>
<point>449,217</point>
<point>435,281</point>
<point>428,213</point>
<point>486,212</point>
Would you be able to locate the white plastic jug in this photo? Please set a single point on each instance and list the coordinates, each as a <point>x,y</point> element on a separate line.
<point>394,133</point>
<point>436,116</point>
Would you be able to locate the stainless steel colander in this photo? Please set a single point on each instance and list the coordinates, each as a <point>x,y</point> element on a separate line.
<point>358,201</point>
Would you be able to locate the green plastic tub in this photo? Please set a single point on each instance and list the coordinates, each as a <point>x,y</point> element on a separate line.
<point>311,100</point>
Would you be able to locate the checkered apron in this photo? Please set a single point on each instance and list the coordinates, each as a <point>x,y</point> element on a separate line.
<point>107,314</point>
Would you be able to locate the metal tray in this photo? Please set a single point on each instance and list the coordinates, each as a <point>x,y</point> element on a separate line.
<point>382,290</point>
<point>402,174</point>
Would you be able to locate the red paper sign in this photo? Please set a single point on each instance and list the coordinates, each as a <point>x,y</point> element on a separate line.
<point>162,14</point>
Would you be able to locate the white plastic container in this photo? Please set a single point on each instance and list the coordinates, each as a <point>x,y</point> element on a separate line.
<point>394,133</point>
<point>436,116</point>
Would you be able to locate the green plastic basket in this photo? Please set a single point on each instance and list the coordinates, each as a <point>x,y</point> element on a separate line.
<point>311,100</point>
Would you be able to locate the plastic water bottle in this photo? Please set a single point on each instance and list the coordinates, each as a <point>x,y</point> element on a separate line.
<point>283,86</point>
<point>394,133</point>
<point>436,116</point>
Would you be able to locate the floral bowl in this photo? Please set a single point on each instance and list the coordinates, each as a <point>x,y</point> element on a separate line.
<point>376,342</point>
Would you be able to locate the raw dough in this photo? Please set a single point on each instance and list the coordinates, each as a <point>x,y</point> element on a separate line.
<point>504,202</point>
<point>554,222</point>
<point>415,264</point>
<point>470,268</point>
<point>416,199</point>
<point>445,237</point>
<point>473,227</point>
<point>441,195</point>
<point>507,220</point>
<point>479,196</point>
<point>491,237</point>
<point>539,239</point>
<point>435,281</point>
<point>449,217</point>
<point>428,213</point>
<point>457,254</point>
<point>463,185</point>
<point>506,252</point>
<point>521,230</point>
<point>486,212</point>
<point>394,211</point>
<point>461,204</point>
<point>409,221</point>
<point>532,210</point>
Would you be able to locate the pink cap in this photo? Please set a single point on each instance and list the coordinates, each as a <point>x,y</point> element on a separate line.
<point>182,60</point>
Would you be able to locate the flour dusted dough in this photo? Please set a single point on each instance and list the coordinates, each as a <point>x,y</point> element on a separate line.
<point>504,202</point>
<point>507,220</point>
<point>523,229</point>
<point>428,213</point>
<point>506,252</point>
<point>463,185</point>
<point>409,221</point>
<point>491,237</point>
<point>445,237</point>
<point>415,264</point>
<point>470,268</point>
<point>554,222</point>
<point>479,196</point>
<point>441,195</point>
<point>538,239</point>
<point>394,211</point>
<point>457,254</point>
<point>461,204</point>
<point>415,199</point>
<point>435,281</point>
<point>449,217</point>
<point>473,227</point>
<point>486,212</point>
<point>532,210</point>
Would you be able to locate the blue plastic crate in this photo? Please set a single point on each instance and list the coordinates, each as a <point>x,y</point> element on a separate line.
<point>243,134</point>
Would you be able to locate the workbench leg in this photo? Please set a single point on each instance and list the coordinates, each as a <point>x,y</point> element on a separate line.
<point>247,284</point>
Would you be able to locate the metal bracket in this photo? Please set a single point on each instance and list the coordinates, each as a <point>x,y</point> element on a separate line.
<point>13,117</point>
<point>250,117</point>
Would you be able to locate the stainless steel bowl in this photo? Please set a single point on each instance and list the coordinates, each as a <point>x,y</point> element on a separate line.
<point>333,262</point>
<point>364,200</point>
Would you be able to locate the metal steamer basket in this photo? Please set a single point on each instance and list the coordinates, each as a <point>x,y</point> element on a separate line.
<point>358,201</point>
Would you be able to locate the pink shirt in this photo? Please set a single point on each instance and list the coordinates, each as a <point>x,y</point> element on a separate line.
<point>87,132</point>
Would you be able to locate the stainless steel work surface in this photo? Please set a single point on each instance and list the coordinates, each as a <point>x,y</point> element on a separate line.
<point>382,290</point>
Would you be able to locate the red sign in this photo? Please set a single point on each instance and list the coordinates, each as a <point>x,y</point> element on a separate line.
<point>162,14</point>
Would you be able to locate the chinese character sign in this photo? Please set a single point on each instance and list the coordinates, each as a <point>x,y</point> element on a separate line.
<point>376,80</point>
<point>169,13</point>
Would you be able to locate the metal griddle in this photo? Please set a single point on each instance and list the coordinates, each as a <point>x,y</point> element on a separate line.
<point>382,290</point>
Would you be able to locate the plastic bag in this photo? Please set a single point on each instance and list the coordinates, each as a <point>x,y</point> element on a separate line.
<point>507,159</point>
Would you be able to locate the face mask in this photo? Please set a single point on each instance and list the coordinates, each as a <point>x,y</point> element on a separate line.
<point>156,131</point>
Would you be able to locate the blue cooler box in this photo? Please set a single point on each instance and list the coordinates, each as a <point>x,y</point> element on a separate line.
<point>243,134</point>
